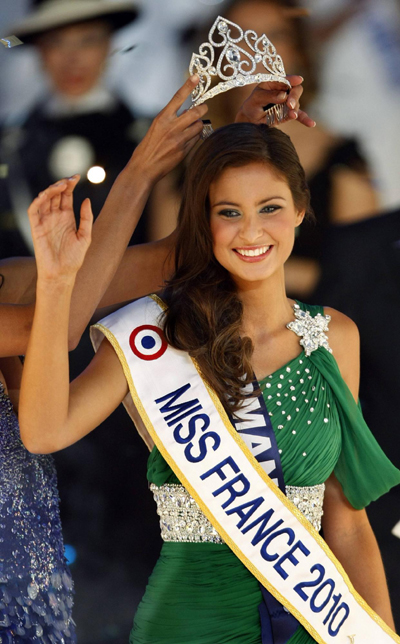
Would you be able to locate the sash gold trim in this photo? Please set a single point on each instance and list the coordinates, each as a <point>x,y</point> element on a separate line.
<point>269,483</point>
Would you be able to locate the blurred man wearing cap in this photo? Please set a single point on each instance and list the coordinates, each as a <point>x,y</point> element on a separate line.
<point>79,126</point>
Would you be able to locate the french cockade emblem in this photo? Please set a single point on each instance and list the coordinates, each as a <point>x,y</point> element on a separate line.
<point>148,342</point>
<point>310,329</point>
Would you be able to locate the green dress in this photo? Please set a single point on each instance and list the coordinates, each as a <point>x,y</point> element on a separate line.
<point>200,593</point>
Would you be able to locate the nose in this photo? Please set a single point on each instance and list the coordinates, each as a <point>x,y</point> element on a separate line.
<point>251,230</point>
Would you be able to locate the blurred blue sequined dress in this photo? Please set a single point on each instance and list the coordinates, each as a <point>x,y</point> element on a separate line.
<point>35,583</point>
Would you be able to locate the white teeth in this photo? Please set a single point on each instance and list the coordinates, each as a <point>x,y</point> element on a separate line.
<point>252,253</point>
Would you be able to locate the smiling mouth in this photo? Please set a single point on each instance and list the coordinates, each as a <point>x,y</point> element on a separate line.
<point>259,252</point>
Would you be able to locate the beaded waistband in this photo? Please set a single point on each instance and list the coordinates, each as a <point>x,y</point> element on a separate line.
<point>181,519</point>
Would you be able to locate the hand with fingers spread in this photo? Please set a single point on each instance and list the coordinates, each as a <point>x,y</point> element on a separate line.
<point>252,110</point>
<point>170,136</point>
<point>60,247</point>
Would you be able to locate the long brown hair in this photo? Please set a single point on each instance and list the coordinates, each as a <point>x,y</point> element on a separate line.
<point>204,313</point>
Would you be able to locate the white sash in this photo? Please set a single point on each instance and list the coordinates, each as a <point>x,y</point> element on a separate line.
<point>264,529</point>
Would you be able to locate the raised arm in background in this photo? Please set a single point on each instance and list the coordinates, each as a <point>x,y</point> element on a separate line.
<point>50,416</point>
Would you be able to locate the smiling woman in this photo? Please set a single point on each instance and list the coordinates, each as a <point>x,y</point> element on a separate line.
<point>244,195</point>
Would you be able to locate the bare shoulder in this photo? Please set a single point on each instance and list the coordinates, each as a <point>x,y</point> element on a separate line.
<point>344,340</point>
<point>342,330</point>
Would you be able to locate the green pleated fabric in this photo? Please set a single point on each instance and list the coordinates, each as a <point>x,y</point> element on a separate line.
<point>200,593</point>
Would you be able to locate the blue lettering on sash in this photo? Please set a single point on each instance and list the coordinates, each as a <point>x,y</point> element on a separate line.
<point>289,555</point>
<point>192,458</point>
<point>218,469</point>
<point>180,438</point>
<point>261,532</point>
<point>230,486</point>
<point>264,552</point>
<point>244,516</point>
<point>178,410</point>
<point>182,409</point>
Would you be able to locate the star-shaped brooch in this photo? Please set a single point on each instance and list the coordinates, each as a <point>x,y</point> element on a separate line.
<point>310,329</point>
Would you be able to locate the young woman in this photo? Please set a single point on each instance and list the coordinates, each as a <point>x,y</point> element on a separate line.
<point>337,174</point>
<point>244,195</point>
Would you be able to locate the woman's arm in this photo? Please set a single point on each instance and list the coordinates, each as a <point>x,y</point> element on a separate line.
<point>17,294</point>
<point>350,537</point>
<point>344,340</point>
<point>346,530</point>
<point>11,374</point>
<point>15,327</point>
<point>17,280</point>
<point>53,415</point>
<point>143,270</point>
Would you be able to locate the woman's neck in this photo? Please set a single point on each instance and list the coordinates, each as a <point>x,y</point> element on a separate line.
<point>266,307</point>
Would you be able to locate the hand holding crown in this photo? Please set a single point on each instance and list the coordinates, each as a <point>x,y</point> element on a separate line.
<point>253,109</point>
<point>239,58</point>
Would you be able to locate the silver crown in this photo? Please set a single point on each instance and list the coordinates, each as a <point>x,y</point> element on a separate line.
<point>233,65</point>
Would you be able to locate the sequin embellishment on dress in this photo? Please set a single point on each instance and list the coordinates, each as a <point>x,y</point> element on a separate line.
<point>310,329</point>
<point>35,582</point>
<point>181,519</point>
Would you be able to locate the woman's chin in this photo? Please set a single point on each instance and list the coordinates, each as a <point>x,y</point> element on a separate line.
<point>251,277</point>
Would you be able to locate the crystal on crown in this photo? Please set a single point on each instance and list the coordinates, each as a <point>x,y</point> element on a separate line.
<point>234,65</point>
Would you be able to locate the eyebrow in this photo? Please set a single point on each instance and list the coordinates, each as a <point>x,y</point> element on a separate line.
<point>230,203</point>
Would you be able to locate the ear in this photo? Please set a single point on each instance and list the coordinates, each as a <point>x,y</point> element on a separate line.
<point>299,217</point>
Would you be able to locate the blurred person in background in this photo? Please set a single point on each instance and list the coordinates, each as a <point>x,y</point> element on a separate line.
<point>359,45</point>
<point>79,126</point>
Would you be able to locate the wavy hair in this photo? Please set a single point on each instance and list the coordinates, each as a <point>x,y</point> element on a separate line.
<point>204,312</point>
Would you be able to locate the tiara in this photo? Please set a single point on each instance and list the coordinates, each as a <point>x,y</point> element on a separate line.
<point>233,65</point>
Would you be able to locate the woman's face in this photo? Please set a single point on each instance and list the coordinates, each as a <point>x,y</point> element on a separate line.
<point>252,220</point>
<point>74,56</point>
